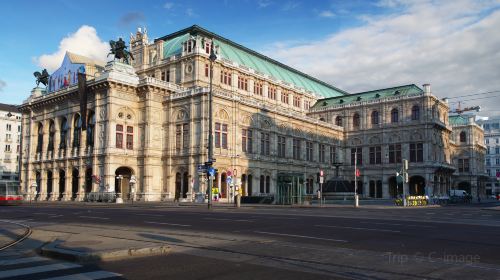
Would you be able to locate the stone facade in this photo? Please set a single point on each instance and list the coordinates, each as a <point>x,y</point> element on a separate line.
<point>149,121</point>
<point>491,128</point>
<point>10,138</point>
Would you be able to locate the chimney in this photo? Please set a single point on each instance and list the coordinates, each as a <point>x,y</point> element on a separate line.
<point>427,89</point>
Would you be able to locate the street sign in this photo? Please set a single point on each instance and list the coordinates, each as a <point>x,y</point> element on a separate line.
<point>202,167</point>
<point>321,179</point>
<point>211,171</point>
<point>229,180</point>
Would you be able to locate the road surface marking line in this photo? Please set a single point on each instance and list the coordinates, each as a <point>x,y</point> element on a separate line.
<point>91,217</point>
<point>86,276</point>
<point>486,215</point>
<point>430,213</point>
<point>22,260</point>
<point>231,220</point>
<point>56,216</point>
<point>151,215</point>
<point>391,224</point>
<point>37,269</point>
<point>300,236</point>
<point>168,224</point>
<point>372,229</point>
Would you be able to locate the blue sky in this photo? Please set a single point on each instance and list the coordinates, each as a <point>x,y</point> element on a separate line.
<point>355,45</point>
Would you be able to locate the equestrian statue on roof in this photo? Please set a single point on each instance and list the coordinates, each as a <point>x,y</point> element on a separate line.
<point>119,50</point>
<point>42,77</point>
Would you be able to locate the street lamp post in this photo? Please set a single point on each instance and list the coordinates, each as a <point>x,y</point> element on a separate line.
<point>132,187</point>
<point>118,194</point>
<point>210,161</point>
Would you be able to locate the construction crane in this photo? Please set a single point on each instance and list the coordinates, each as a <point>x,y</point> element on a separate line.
<point>459,110</point>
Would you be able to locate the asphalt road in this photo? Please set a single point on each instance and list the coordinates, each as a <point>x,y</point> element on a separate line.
<point>461,235</point>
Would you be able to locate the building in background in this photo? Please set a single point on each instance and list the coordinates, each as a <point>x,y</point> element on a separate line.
<point>10,137</point>
<point>491,128</point>
<point>274,127</point>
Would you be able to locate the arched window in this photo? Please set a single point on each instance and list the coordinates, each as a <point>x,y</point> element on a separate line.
<point>338,121</point>
<point>52,132</point>
<point>262,184</point>
<point>63,133</point>
<point>40,138</point>
<point>91,129</point>
<point>415,113</point>
<point>375,117</point>
<point>463,137</point>
<point>394,115</point>
<point>77,129</point>
<point>355,120</point>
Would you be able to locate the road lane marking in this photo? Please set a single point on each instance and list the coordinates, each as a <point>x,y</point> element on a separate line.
<point>231,220</point>
<point>168,224</point>
<point>22,260</point>
<point>391,224</point>
<point>301,236</point>
<point>430,213</point>
<point>56,216</point>
<point>86,276</point>
<point>357,228</point>
<point>91,217</point>
<point>37,269</point>
<point>151,215</point>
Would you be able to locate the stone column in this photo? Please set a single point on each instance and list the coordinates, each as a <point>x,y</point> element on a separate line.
<point>366,186</point>
<point>67,185</point>
<point>43,184</point>
<point>81,184</point>
<point>55,184</point>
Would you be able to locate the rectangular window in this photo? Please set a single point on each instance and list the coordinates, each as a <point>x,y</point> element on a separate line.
<point>376,155</point>
<point>271,93</point>
<point>163,76</point>
<point>497,150</point>
<point>119,136</point>
<point>395,153</point>
<point>7,148</point>
<point>9,127</point>
<point>296,101</point>
<point>307,104</point>
<point>488,162</point>
<point>258,88</point>
<point>225,77</point>
<point>168,75</point>
<point>284,97</point>
<point>356,152</point>
<point>309,151</point>
<point>217,134</point>
<point>8,137</point>
<point>321,153</point>
<point>463,165</point>
<point>281,146</point>
<point>224,136</point>
<point>18,128</point>
<point>333,155</point>
<point>207,47</point>
<point>296,149</point>
<point>207,69</point>
<point>246,140</point>
<point>264,144</point>
<point>185,135</point>
<point>416,152</point>
<point>130,137</point>
<point>497,161</point>
<point>242,83</point>
<point>178,136</point>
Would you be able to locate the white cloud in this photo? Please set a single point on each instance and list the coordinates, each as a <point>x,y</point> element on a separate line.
<point>263,3</point>
<point>190,12</point>
<point>168,5</point>
<point>326,14</point>
<point>290,5</point>
<point>452,45</point>
<point>84,42</point>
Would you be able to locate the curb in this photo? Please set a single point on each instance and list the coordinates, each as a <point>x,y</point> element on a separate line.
<point>51,250</point>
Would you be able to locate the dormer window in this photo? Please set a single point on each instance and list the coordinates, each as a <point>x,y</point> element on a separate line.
<point>325,103</point>
<point>397,92</point>
<point>341,101</point>
<point>359,98</point>
<point>377,95</point>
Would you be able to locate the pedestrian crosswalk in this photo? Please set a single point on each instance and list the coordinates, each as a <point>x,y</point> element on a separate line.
<point>27,265</point>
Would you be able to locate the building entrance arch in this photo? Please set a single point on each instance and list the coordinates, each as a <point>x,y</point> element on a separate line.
<point>122,181</point>
<point>62,183</point>
<point>465,186</point>
<point>417,185</point>
<point>74,183</point>
<point>395,189</point>
<point>88,180</point>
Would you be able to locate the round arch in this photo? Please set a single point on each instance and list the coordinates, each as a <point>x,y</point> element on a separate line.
<point>122,181</point>
<point>417,185</point>
<point>464,185</point>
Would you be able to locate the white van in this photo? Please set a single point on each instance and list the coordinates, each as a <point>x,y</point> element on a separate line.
<point>460,193</point>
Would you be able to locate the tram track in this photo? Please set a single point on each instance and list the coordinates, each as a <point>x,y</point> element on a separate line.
<point>21,238</point>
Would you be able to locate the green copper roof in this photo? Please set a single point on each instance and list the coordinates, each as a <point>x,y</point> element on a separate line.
<point>458,120</point>
<point>174,46</point>
<point>368,95</point>
<point>244,56</point>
